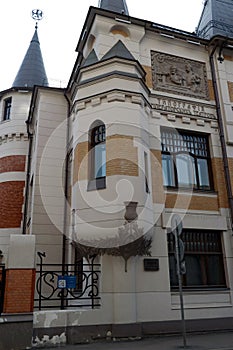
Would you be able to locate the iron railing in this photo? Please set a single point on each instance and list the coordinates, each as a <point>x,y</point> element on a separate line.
<point>2,286</point>
<point>51,294</point>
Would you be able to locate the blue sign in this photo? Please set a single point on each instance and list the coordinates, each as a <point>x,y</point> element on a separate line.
<point>70,282</point>
<point>66,282</point>
<point>61,282</point>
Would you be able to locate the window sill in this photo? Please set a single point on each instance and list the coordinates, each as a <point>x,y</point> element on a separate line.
<point>200,290</point>
<point>97,184</point>
<point>188,189</point>
<point>206,298</point>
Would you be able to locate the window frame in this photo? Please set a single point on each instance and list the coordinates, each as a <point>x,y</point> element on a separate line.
<point>7,105</point>
<point>192,150</point>
<point>146,170</point>
<point>199,252</point>
<point>78,271</point>
<point>97,137</point>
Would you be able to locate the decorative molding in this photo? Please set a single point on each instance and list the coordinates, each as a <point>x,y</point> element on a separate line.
<point>181,107</point>
<point>186,120</point>
<point>200,122</point>
<point>13,137</point>
<point>173,108</point>
<point>96,101</point>
<point>214,124</point>
<point>178,75</point>
<point>171,118</point>
<point>116,96</point>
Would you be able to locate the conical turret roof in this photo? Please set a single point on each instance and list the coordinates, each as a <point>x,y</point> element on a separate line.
<point>216,19</point>
<point>119,6</point>
<point>32,70</point>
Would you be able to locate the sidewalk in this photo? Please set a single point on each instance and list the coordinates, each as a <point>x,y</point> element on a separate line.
<point>210,341</point>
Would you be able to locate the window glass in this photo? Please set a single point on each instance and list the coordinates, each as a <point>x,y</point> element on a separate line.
<point>97,158</point>
<point>185,160</point>
<point>185,170</point>
<point>146,172</point>
<point>7,108</point>
<point>203,172</point>
<point>168,170</point>
<point>203,259</point>
<point>100,160</point>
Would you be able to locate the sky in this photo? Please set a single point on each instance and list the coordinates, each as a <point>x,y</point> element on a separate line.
<point>60,28</point>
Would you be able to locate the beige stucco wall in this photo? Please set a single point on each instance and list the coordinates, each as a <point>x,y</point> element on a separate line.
<point>47,173</point>
<point>132,113</point>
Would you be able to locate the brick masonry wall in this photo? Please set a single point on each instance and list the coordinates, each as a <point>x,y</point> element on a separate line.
<point>230,90</point>
<point>121,157</point>
<point>194,201</point>
<point>219,182</point>
<point>11,202</point>
<point>148,71</point>
<point>12,163</point>
<point>19,291</point>
<point>206,202</point>
<point>157,177</point>
<point>80,170</point>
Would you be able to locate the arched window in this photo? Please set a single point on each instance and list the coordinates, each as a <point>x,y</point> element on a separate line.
<point>97,154</point>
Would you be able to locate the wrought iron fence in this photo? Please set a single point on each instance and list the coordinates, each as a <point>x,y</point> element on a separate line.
<point>67,286</point>
<point>2,286</point>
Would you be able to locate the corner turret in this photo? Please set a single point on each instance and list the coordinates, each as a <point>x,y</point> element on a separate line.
<point>32,70</point>
<point>119,6</point>
<point>216,19</point>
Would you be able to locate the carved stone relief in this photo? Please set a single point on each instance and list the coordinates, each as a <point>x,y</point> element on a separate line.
<point>179,75</point>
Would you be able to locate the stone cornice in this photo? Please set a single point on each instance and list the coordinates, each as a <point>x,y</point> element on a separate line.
<point>13,137</point>
<point>155,107</point>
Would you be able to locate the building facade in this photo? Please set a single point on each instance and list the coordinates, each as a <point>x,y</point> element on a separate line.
<point>142,132</point>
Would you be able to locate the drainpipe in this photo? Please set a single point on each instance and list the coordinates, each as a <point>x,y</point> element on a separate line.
<point>66,182</point>
<point>221,134</point>
<point>25,214</point>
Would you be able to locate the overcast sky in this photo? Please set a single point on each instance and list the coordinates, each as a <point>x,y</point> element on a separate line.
<point>62,24</point>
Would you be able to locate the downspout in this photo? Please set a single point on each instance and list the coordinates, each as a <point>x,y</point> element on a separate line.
<point>66,182</point>
<point>222,136</point>
<point>25,214</point>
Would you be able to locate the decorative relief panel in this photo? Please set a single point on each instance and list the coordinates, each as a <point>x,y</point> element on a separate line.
<point>179,75</point>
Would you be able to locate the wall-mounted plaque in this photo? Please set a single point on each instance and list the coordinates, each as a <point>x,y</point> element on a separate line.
<point>151,264</point>
<point>179,75</point>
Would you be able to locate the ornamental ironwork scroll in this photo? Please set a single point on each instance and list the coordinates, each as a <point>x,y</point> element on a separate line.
<point>49,294</point>
<point>179,75</point>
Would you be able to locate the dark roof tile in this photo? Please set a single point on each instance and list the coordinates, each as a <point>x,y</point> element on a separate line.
<point>32,70</point>
<point>119,6</point>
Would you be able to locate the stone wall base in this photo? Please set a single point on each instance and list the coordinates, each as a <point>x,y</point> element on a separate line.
<point>91,333</point>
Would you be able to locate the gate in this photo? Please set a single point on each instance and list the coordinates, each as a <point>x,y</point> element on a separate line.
<point>2,286</point>
<point>70,285</point>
